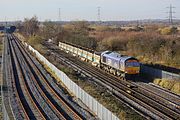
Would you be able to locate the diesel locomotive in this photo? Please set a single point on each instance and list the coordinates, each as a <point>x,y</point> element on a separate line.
<point>126,67</point>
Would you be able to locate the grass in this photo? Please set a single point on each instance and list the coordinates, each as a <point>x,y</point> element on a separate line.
<point>172,85</point>
<point>1,47</point>
<point>21,37</point>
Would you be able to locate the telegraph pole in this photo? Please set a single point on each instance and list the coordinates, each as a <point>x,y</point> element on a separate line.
<point>5,25</point>
<point>6,21</point>
<point>170,14</point>
<point>99,14</point>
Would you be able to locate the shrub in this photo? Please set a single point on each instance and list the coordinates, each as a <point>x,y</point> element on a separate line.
<point>168,30</point>
<point>122,115</point>
<point>157,81</point>
<point>176,88</point>
<point>102,28</point>
<point>114,43</point>
<point>34,40</point>
<point>173,85</point>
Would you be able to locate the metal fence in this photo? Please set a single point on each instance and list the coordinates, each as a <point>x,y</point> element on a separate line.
<point>157,73</point>
<point>102,112</point>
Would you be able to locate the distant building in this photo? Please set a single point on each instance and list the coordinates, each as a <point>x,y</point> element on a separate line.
<point>1,28</point>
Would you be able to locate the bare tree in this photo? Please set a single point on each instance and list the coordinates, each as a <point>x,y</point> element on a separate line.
<point>31,26</point>
<point>50,30</point>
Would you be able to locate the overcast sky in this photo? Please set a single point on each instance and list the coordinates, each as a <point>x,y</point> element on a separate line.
<point>87,9</point>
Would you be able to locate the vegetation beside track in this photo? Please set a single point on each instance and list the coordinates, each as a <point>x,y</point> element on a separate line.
<point>172,85</point>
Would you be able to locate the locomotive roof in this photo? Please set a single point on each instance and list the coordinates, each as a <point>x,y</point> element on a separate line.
<point>112,54</point>
<point>116,56</point>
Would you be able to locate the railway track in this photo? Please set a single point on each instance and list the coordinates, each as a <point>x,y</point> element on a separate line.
<point>172,98</point>
<point>158,106</point>
<point>12,99</point>
<point>168,92</point>
<point>37,97</point>
<point>29,104</point>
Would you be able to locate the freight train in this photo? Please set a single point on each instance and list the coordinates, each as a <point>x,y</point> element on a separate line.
<point>126,67</point>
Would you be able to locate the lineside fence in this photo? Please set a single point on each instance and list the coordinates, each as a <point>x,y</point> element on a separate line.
<point>102,112</point>
<point>157,73</point>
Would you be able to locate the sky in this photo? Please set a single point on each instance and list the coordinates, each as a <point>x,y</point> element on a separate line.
<point>111,10</point>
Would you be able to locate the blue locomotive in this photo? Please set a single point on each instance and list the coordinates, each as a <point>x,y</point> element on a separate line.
<point>119,65</point>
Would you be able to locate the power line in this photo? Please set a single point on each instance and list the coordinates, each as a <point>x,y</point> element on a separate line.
<point>170,14</point>
<point>59,14</point>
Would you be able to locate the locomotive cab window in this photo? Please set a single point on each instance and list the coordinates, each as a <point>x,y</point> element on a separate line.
<point>104,59</point>
<point>132,64</point>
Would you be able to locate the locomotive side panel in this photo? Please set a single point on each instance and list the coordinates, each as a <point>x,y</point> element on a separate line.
<point>110,60</point>
<point>114,63</point>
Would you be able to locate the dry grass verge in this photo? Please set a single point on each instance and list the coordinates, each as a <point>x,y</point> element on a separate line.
<point>172,85</point>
